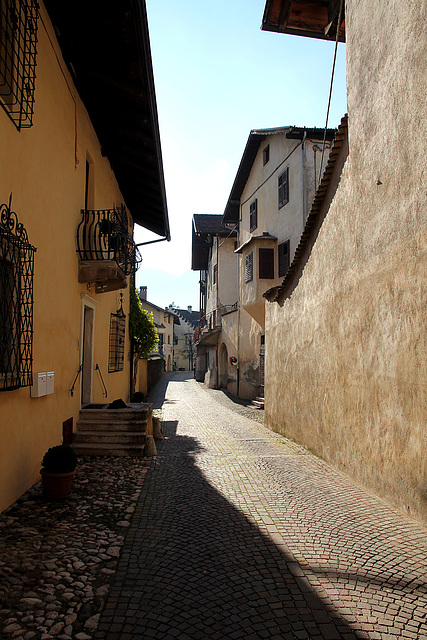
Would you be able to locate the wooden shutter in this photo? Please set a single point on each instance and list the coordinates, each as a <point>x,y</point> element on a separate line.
<point>249,267</point>
<point>284,188</point>
<point>253,215</point>
<point>266,264</point>
<point>284,257</point>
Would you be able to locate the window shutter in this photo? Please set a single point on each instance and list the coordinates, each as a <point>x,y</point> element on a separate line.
<point>284,257</point>
<point>253,215</point>
<point>249,267</point>
<point>284,188</point>
<point>266,264</point>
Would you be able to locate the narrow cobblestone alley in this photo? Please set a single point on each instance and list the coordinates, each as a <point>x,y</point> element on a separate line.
<point>240,533</point>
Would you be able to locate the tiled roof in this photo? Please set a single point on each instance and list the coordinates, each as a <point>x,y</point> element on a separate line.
<point>314,220</point>
<point>209,223</point>
<point>191,317</point>
<point>205,227</point>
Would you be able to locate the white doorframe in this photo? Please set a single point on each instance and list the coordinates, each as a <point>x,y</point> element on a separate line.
<point>87,348</point>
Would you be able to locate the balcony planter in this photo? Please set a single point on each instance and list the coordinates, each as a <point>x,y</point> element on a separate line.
<point>59,468</point>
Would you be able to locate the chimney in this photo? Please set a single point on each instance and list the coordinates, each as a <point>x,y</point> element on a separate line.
<point>143,293</point>
<point>190,308</point>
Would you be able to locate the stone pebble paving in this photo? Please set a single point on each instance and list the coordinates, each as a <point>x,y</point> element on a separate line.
<point>57,558</point>
<point>241,533</point>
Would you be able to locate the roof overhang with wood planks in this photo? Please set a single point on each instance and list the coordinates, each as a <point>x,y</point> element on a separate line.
<point>309,18</point>
<point>107,49</point>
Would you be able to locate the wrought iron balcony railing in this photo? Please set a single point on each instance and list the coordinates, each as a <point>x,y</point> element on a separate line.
<point>104,235</point>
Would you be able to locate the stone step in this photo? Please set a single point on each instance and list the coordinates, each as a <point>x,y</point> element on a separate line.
<point>84,424</point>
<point>108,437</point>
<point>101,413</point>
<point>258,403</point>
<point>98,449</point>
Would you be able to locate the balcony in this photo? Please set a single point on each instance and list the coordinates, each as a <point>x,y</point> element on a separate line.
<point>207,333</point>
<point>106,250</point>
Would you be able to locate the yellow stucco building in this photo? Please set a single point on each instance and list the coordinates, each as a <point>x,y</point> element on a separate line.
<point>80,164</point>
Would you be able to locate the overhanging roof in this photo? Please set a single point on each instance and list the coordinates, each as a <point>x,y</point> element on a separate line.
<point>309,18</point>
<point>205,227</point>
<point>107,49</point>
<point>255,240</point>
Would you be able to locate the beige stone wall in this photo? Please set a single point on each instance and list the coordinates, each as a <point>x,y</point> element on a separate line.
<point>45,169</point>
<point>346,354</point>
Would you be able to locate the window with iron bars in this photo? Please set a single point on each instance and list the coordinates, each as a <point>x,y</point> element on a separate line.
<point>117,341</point>
<point>16,302</point>
<point>18,51</point>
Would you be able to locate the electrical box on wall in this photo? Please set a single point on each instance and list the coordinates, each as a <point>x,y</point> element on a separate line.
<point>39,385</point>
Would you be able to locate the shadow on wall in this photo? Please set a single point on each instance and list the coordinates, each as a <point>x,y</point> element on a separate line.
<point>155,370</point>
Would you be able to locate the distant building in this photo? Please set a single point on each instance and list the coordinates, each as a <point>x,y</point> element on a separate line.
<point>164,323</point>
<point>248,250</point>
<point>186,322</point>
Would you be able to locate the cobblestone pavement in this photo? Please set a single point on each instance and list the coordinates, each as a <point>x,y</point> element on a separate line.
<point>57,558</point>
<point>240,533</point>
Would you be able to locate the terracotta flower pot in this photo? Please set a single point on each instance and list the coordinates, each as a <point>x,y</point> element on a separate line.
<point>57,485</point>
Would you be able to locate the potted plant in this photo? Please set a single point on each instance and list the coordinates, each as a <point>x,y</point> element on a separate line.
<point>58,470</point>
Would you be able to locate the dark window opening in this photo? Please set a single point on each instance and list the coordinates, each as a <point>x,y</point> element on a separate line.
<point>253,215</point>
<point>283,188</point>
<point>284,257</point>
<point>215,273</point>
<point>266,155</point>
<point>266,264</point>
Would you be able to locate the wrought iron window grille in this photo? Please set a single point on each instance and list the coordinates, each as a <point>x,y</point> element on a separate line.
<point>18,51</point>
<point>103,234</point>
<point>117,339</point>
<point>16,302</point>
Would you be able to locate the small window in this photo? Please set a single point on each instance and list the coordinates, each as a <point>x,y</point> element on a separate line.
<point>284,188</point>
<point>215,274</point>
<point>117,341</point>
<point>266,264</point>
<point>284,257</point>
<point>169,339</point>
<point>266,155</point>
<point>249,267</point>
<point>253,215</point>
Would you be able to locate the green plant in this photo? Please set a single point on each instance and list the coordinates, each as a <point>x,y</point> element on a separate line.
<point>59,459</point>
<point>141,327</point>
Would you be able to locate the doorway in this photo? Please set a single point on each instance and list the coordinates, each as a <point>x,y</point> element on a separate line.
<point>87,354</point>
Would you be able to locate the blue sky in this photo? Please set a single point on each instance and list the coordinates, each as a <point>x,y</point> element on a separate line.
<point>217,76</point>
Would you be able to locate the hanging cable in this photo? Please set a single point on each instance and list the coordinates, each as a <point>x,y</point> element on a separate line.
<point>330,88</point>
